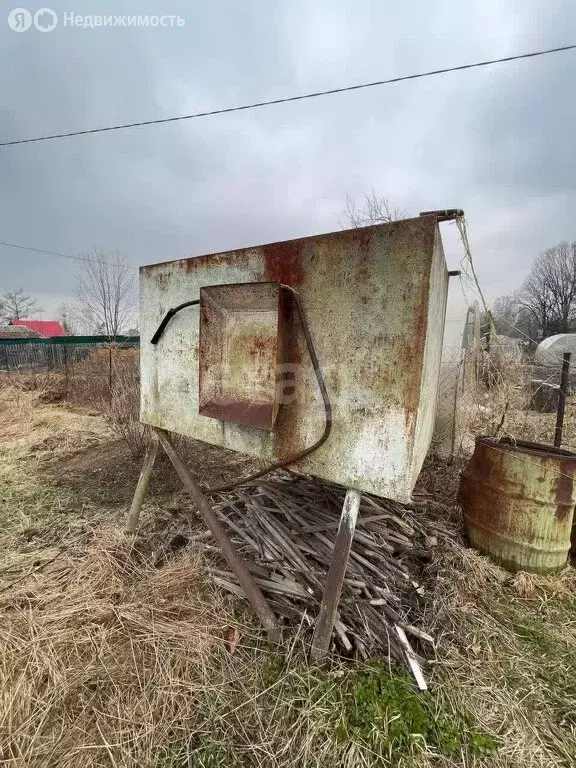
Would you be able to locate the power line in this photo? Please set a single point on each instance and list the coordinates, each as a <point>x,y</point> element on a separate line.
<point>65,255</point>
<point>301,97</point>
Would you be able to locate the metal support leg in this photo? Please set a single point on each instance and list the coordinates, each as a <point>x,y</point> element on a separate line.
<point>253,592</point>
<point>142,486</point>
<point>335,578</point>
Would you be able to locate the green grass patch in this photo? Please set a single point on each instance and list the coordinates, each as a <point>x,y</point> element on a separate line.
<point>385,712</point>
<point>378,708</point>
<point>549,655</point>
<point>372,714</point>
<point>208,754</point>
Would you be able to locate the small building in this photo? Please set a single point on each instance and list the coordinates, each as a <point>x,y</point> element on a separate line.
<point>9,332</point>
<point>44,328</point>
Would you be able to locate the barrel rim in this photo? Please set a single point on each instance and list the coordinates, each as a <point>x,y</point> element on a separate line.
<point>543,450</point>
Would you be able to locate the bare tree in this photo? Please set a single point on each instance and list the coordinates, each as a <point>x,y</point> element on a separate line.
<point>77,320</point>
<point>373,209</point>
<point>545,304</point>
<point>548,294</point>
<point>105,291</point>
<point>66,316</point>
<point>17,305</point>
<point>509,318</point>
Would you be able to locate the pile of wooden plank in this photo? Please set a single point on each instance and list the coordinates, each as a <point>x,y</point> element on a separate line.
<point>285,527</point>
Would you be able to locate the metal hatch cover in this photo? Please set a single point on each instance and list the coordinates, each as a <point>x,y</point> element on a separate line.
<point>240,351</point>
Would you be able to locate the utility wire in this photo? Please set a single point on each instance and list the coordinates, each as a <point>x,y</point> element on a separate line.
<point>301,97</point>
<point>65,255</point>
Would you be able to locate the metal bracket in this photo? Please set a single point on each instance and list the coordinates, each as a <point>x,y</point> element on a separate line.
<point>448,214</point>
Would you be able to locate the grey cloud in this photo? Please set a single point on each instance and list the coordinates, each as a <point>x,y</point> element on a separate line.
<point>497,143</point>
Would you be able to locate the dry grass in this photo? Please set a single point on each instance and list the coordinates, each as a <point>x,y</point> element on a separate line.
<point>26,419</point>
<point>31,432</point>
<point>498,401</point>
<point>508,654</point>
<point>115,652</point>
<point>506,643</point>
<point>105,657</point>
<point>105,378</point>
<point>109,660</point>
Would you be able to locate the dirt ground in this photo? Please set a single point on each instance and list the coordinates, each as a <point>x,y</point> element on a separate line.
<point>108,473</point>
<point>119,651</point>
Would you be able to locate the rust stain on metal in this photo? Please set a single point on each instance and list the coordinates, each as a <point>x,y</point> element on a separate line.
<point>287,436</point>
<point>239,411</point>
<point>164,281</point>
<point>564,495</point>
<point>363,270</point>
<point>518,501</point>
<point>419,329</point>
<point>283,262</point>
<point>193,263</point>
<point>398,379</point>
<point>214,261</point>
<point>240,350</point>
<point>414,352</point>
<point>491,508</point>
<point>367,296</point>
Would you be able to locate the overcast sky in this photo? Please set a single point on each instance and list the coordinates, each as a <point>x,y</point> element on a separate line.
<point>497,142</point>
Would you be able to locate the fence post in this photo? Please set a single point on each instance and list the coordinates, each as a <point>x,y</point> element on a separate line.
<point>562,399</point>
<point>65,353</point>
<point>110,370</point>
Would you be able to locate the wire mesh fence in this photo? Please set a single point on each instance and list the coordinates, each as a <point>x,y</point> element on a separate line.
<point>498,385</point>
<point>502,392</point>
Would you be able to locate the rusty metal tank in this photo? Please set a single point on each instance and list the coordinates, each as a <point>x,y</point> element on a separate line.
<point>233,369</point>
<point>518,501</point>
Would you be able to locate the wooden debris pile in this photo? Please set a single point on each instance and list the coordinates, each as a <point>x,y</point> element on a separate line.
<point>285,528</point>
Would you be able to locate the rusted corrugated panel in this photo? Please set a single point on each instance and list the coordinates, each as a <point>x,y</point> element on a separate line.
<point>375,302</point>
<point>518,501</point>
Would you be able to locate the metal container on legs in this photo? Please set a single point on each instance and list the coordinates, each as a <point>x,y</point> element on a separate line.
<point>518,501</point>
<point>233,368</point>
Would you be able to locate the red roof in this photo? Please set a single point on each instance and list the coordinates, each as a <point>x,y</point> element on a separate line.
<point>46,328</point>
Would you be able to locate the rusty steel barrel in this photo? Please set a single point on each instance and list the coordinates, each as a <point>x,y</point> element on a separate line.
<point>518,501</point>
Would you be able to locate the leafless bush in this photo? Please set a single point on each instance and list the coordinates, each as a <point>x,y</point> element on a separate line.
<point>107,378</point>
<point>123,414</point>
<point>88,377</point>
